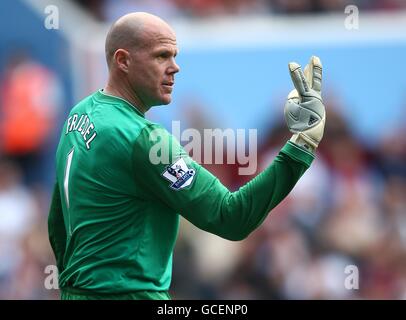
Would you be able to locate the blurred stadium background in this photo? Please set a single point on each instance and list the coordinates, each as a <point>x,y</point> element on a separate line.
<point>348,209</point>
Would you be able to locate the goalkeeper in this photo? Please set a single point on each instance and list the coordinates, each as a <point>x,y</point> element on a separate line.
<point>114,214</point>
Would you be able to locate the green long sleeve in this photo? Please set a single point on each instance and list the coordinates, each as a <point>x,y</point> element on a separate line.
<point>206,202</point>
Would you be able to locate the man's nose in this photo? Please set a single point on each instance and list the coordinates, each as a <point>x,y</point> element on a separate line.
<point>174,68</point>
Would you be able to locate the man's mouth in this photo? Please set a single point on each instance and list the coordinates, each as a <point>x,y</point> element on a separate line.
<point>168,87</point>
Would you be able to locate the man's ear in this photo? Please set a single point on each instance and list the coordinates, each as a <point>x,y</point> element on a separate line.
<point>122,59</point>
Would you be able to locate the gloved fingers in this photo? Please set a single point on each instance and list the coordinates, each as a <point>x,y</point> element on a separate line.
<point>298,79</point>
<point>308,76</point>
<point>294,95</point>
<point>315,72</point>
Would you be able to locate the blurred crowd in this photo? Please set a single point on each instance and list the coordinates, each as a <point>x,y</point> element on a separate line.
<point>109,10</point>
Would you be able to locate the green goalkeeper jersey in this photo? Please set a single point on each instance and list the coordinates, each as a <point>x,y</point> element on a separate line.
<point>122,184</point>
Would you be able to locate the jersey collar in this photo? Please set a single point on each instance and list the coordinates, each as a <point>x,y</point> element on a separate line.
<point>104,96</point>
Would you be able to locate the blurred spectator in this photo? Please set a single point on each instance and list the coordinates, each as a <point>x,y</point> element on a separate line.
<point>30,101</point>
<point>17,213</point>
<point>94,7</point>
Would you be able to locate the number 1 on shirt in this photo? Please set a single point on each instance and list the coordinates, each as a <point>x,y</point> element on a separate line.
<point>66,183</point>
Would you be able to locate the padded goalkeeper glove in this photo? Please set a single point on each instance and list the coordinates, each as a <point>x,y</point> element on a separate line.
<point>305,114</point>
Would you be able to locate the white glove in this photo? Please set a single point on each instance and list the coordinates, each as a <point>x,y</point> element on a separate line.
<point>305,114</point>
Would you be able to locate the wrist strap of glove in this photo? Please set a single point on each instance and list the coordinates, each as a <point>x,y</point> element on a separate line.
<point>304,141</point>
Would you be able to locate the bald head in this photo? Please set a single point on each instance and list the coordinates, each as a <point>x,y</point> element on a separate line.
<point>140,52</point>
<point>133,31</point>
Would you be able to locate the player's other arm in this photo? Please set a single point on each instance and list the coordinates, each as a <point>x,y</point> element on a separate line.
<point>56,228</point>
